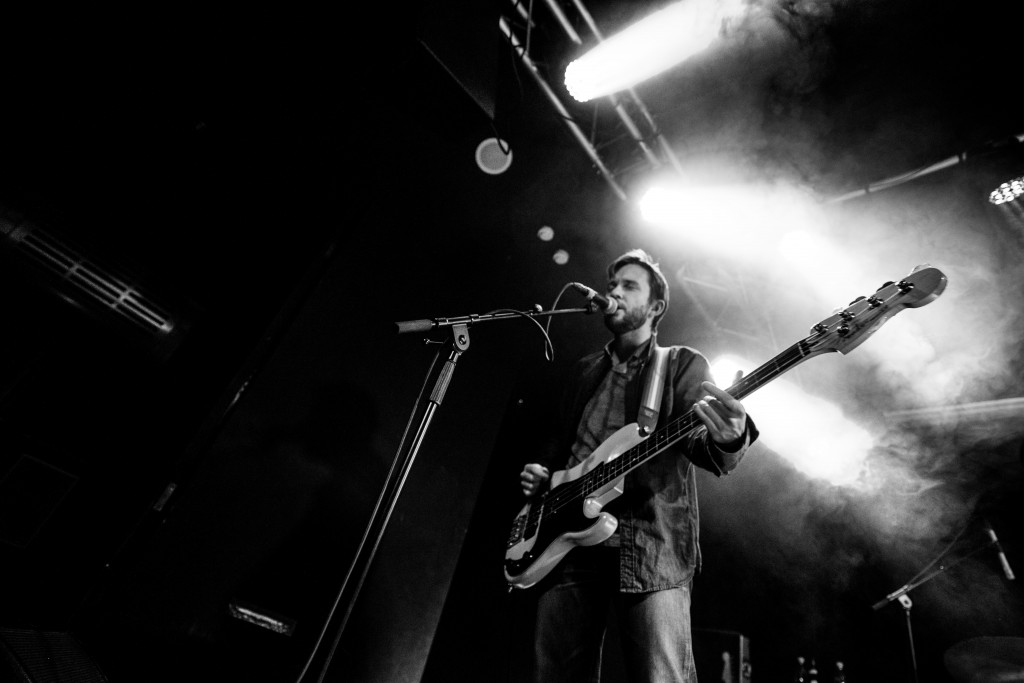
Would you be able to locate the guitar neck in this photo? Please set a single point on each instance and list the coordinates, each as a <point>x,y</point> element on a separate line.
<point>675,430</point>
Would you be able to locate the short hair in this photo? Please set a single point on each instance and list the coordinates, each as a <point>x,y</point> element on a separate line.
<point>659,285</point>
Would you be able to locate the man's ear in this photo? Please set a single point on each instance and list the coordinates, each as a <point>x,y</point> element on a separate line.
<point>658,307</point>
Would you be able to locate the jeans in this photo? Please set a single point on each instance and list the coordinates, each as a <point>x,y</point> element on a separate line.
<point>572,613</point>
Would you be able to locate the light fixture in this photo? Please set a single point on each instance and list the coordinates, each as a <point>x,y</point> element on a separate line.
<point>80,279</point>
<point>648,47</point>
<point>1008,191</point>
<point>493,156</point>
<point>805,444</point>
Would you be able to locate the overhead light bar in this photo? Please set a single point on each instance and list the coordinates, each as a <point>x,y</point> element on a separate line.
<point>115,293</point>
<point>244,611</point>
<point>648,47</point>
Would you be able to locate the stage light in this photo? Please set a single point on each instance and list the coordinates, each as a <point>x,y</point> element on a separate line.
<point>727,370</point>
<point>648,47</point>
<point>822,442</point>
<point>1008,191</point>
<point>262,617</point>
<point>732,220</point>
<point>808,431</point>
<point>727,209</point>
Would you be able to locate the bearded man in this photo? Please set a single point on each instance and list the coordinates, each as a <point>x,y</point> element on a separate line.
<point>643,573</point>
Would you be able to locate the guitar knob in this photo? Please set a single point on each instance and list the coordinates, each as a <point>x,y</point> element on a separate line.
<point>874,302</point>
<point>859,298</point>
<point>843,330</point>
<point>846,315</point>
<point>884,286</point>
<point>820,328</point>
<point>905,286</point>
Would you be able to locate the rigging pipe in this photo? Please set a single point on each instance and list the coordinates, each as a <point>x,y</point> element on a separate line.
<point>570,31</point>
<point>560,108</point>
<point>958,158</point>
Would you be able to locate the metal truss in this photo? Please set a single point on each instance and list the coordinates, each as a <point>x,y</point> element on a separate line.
<point>624,138</point>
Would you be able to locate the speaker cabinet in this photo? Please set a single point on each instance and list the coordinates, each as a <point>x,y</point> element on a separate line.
<point>29,656</point>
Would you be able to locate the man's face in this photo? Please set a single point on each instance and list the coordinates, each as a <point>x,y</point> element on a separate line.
<point>631,287</point>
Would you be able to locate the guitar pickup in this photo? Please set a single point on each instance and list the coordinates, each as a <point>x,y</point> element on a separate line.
<point>516,534</point>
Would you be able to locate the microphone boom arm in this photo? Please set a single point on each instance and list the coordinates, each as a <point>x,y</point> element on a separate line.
<point>428,324</point>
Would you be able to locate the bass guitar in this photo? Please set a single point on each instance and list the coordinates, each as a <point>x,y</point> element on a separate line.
<point>571,514</point>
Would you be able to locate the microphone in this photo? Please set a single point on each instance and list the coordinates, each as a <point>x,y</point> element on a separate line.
<point>604,304</point>
<point>999,549</point>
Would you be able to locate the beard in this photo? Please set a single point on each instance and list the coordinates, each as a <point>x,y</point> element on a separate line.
<point>632,319</point>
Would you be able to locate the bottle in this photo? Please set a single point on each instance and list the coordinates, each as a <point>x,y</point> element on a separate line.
<point>727,667</point>
<point>801,671</point>
<point>812,672</point>
<point>840,673</point>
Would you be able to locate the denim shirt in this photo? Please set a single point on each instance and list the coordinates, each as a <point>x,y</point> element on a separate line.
<point>658,517</point>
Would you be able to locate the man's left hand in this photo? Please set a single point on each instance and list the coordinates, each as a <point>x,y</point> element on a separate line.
<point>724,416</point>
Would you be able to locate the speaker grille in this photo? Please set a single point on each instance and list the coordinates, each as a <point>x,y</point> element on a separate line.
<point>28,656</point>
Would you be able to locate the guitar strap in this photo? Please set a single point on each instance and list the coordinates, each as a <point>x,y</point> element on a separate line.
<point>648,417</point>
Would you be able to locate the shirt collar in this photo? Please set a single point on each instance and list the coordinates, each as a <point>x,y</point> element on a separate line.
<point>637,356</point>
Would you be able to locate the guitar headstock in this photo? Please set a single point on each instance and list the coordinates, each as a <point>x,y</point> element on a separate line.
<point>847,329</point>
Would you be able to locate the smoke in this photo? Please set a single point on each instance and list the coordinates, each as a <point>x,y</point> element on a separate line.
<point>963,346</point>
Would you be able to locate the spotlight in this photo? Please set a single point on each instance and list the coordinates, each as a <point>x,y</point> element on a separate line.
<point>727,370</point>
<point>1008,191</point>
<point>648,47</point>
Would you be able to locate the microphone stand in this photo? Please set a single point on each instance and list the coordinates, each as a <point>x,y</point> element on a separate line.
<point>388,499</point>
<point>901,595</point>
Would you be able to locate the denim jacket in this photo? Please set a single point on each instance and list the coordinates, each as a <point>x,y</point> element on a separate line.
<point>657,512</point>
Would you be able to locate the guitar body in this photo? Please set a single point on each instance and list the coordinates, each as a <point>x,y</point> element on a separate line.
<point>545,530</point>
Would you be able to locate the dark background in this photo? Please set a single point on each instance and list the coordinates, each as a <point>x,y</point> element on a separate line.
<point>285,185</point>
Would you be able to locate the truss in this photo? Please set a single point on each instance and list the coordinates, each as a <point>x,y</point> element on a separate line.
<point>624,138</point>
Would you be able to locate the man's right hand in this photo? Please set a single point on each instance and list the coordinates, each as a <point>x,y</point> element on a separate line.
<point>534,479</point>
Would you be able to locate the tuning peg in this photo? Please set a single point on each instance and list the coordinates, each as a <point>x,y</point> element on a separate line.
<point>884,286</point>
<point>859,298</point>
